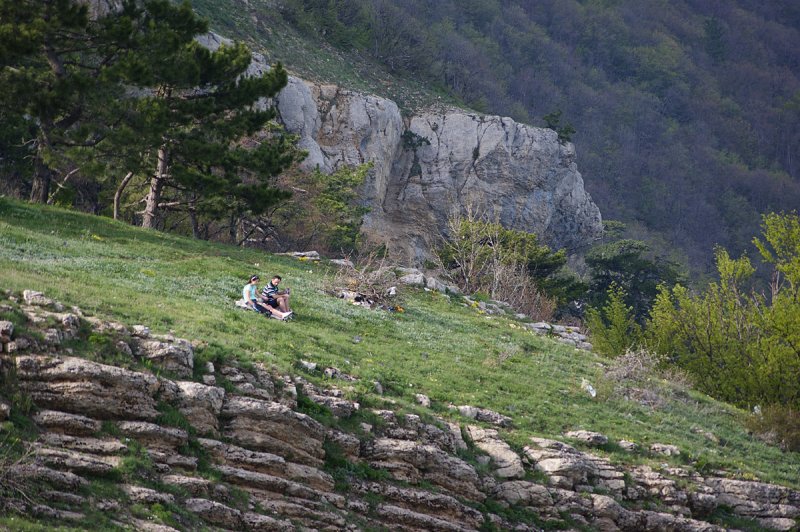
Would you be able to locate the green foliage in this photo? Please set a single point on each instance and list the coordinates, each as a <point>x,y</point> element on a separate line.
<point>132,92</point>
<point>739,345</point>
<point>652,88</point>
<point>344,471</point>
<point>779,424</point>
<point>613,327</point>
<point>324,212</point>
<point>631,266</point>
<point>475,247</point>
<point>553,121</point>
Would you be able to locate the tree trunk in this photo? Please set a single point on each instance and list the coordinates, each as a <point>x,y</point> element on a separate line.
<point>193,218</point>
<point>232,229</point>
<point>40,187</point>
<point>118,193</point>
<point>156,185</point>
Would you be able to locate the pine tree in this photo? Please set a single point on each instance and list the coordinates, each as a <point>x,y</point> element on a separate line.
<point>57,71</point>
<point>200,124</point>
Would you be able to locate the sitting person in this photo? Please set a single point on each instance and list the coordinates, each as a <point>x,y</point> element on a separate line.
<point>278,299</point>
<point>253,301</point>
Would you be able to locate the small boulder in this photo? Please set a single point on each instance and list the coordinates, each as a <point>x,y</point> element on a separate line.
<point>507,463</point>
<point>594,439</point>
<point>167,352</point>
<point>423,400</point>
<point>665,449</point>
<point>32,297</point>
<point>154,435</point>
<point>201,405</point>
<point>412,279</point>
<point>6,329</point>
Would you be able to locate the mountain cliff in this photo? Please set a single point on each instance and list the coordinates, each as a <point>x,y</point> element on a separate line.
<point>428,164</point>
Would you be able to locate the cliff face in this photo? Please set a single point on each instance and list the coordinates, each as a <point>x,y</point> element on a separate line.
<point>428,165</point>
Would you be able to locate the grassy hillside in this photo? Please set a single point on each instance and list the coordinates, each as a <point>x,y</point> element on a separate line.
<point>438,346</point>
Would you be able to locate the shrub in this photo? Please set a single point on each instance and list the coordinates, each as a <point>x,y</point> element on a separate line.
<point>368,281</point>
<point>777,424</point>
<point>479,255</point>
<point>613,327</point>
<point>739,345</point>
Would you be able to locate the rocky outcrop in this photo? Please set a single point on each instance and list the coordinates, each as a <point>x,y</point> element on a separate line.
<point>438,161</point>
<point>249,460</point>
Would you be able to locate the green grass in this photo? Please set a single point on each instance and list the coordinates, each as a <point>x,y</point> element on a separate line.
<point>437,347</point>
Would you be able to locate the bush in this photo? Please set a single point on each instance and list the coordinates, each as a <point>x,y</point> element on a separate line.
<point>613,327</point>
<point>777,424</point>
<point>739,345</point>
<point>368,281</point>
<point>479,255</point>
<point>638,375</point>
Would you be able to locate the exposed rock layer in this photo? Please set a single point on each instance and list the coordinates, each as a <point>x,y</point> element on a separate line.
<point>246,459</point>
<point>428,165</point>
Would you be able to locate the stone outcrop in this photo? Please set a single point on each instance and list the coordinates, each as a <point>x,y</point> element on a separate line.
<point>249,460</point>
<point>75,385</point>
<point>436,161</point>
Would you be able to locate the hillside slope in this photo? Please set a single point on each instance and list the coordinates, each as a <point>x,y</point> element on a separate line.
<point>686,113</point>
<point>452,353</point>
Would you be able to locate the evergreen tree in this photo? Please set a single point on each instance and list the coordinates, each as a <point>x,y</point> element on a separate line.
<point>198,118</point>
<point>631,266</point>
<point>52,65</point>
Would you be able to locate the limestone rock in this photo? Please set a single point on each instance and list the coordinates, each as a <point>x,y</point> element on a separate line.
<point>524,493</point>
<point>104,446</point>
<point>215,512</point>
<point>201,405</point>
<point>756,499</point>
<point>273,427</point>
<point>407,519</point>
<point>412,279</point>
<point>485,415</point>
<point>778,523</point>
<point>588,437</point>
<point>507,463</point>
<point>87,388</point>
<point>32,297</point>
<point>524,174</point>
<point>172,354</point>
<point>423,501</point>
<point>570,469</point>
<point>76,461</point>
<point>199,487</point>
<point>264,523</point>
<point>271,483</point>
<point>423,400</point>
<point>38,473</point>
<point>664,449</point>
<point>153,435</point>
<point>411,462</point>
<point>253,460</point>
<point>146,495</point>
<point>349,444</point>
<point>74,424</point>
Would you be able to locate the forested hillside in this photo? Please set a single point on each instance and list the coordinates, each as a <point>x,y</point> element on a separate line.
<point>687,113</point>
